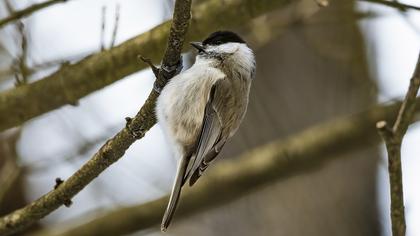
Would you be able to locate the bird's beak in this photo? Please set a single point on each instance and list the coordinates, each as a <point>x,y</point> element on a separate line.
<point>198,45</point>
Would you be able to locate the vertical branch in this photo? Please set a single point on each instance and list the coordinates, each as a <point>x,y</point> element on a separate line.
<point>11,170</point>
<point>20,68</point>
<point>23,68</point>
<point>393,137</point>
<point>116,23</point>
<point>103,25</point>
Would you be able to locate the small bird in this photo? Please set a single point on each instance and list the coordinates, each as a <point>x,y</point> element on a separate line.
<point>202,107</point>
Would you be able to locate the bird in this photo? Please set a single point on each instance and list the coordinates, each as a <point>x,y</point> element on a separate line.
<point>202,107</point>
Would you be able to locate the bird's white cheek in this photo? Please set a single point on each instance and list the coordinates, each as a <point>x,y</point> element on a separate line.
<point>229,48</point>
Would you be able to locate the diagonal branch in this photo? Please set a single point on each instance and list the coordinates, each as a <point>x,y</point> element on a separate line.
<point>394,4</point>
<point>75,81</point>
<point>406,112</point>
<point>393,137</point>
<point>279,159</point>
<point>27,11</point>
<point>113,149</point>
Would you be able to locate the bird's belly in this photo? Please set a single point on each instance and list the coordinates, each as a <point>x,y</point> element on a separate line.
<point>183,115</point>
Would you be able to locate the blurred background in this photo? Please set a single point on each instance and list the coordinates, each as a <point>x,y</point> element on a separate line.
<point>313,66</point>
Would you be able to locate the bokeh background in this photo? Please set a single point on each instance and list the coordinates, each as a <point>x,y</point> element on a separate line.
<point>312,67</point>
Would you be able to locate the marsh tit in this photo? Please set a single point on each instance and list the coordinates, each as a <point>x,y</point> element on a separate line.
<point>202,107</point>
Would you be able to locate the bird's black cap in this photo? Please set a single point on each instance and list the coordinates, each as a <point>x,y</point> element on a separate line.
<point>221,37</point>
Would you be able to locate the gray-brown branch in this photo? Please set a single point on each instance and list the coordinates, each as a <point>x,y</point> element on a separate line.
<point>113,149</point>
<point>27,11</point>
<point>72,82</point>
<point>394,4</point>
<point>393,137</point>
<point>302,152</point>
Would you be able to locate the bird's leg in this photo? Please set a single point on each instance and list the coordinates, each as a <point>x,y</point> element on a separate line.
<point>166,73</point>
<point>170,71</point>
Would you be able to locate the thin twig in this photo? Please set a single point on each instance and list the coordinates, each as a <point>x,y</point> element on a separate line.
<point>27,11</point>
<point>149,62</point>
<point>103,25</point>
<point>114,148</point>
<point>58,158</point>
<point>407,108</point>
<point>393,137</point>
<point>9,7</point>
<point>394,4</point>
<point>116,24</point>
<point>19,67</point>
<point>23,72</point>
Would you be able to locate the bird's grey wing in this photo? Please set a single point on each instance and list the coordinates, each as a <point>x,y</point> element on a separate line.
<point>210,141</point>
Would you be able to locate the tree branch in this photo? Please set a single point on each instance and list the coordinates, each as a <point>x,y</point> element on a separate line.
<point>75,81</point>
<point>103,27</point>
<point>11,170</point>
<point>28,11</point>
<point>277,160</point>
<point>393,137</point>
<point>113,149</point>
<point>394,4</point>
<point>116,24</point>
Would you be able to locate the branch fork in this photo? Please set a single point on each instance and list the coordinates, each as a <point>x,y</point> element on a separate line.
<point>393,137</point>
<point>163,73</point>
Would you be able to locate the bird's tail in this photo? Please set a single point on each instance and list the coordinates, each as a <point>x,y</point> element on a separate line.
<point>176,191</point>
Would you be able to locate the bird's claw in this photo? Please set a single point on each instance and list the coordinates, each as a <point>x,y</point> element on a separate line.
<point>167,72</point>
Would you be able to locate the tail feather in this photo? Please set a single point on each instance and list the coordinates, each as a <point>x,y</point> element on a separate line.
<point>174,198</point>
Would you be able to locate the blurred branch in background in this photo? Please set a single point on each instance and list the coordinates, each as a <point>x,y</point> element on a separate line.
<point>86,147</point>
<point>393,137</point>
<point>394,4</point>
<point>103,26</point>
<point>27,11</point>
<point>115,29</point>
<point>19,67</point>
<point>230,179</point>
<point>116,24</point>
<point>115,147</point>
<point>22,72</point>
<point>267,27</point>
<point>46,65</point>
<point>75,81</point>
<point>9,170</point>
<point>8,175</point>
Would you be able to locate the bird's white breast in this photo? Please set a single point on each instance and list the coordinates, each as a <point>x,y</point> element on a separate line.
<point>183,100</point>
